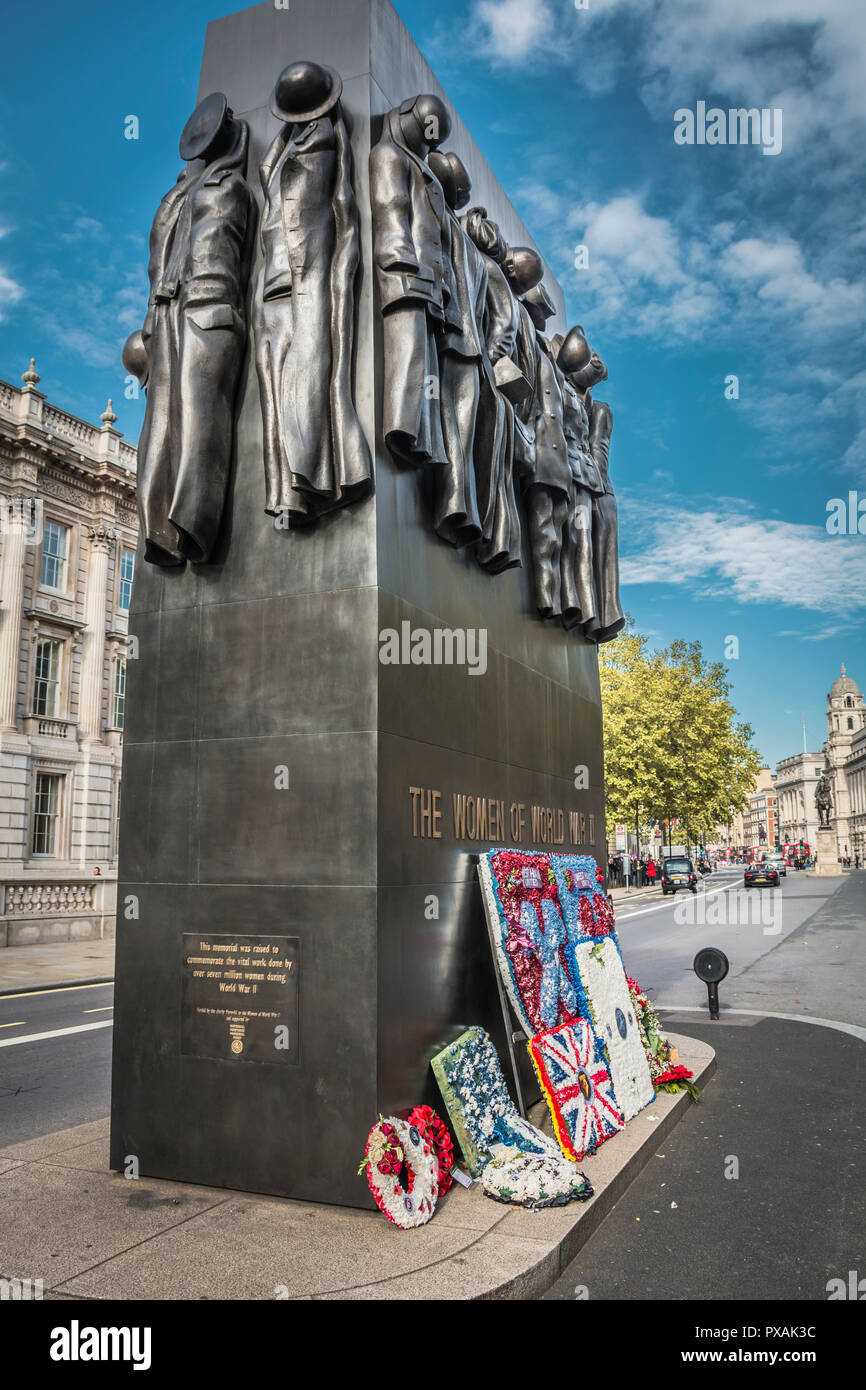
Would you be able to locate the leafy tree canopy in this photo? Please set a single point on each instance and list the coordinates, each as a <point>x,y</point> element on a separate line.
<point>673,745</point>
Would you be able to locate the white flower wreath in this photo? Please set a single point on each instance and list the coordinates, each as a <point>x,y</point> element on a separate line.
<point>416,1160</point>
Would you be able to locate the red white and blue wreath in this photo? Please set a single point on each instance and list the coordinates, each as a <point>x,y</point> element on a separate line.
<point>402,1172</point>
<point>530,937</point>
<point>577,1088</point>
<point>586,910</point>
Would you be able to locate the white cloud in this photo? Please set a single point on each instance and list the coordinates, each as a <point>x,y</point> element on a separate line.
<point>732,553</point>
<point>10,293</point>
<point>83,228</point>
<point>775,270</point>
<point>512,29</point>
<point>650,276</point>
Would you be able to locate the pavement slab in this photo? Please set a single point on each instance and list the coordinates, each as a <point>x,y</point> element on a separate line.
<point>35,967</point>
<point>92,1234</point>
<point>56,1222</point>
<point>760,1192</point>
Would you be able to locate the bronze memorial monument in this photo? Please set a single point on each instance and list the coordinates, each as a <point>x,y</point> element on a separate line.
<point>378,552</point>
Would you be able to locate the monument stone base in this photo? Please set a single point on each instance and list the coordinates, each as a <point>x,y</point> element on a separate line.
<point>828,865</point>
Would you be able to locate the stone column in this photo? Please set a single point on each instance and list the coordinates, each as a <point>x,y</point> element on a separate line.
<point>93,656</point>
<point>12,589</point>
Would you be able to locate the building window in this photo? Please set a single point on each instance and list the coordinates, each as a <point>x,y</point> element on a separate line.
<point>47,686</point>
<point>55,546</point>
<point>127,564</point>
<point>119,691</point>
<point>849,703</point>
<point>46,813</point>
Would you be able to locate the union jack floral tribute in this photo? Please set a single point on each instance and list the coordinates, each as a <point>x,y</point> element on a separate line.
<point>533,939</point>
<point>577,1088</point>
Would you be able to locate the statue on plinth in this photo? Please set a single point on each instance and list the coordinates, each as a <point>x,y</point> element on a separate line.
<point>824,800</point>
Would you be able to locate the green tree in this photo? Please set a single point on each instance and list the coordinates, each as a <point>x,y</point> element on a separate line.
<point>673,743</point>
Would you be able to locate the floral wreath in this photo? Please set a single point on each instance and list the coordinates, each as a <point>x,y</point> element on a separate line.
<point>662,1057</point>
<point>402,1172</point>
<point>530,937</point>
<point>533,1180</point>
<point>430,1127</point>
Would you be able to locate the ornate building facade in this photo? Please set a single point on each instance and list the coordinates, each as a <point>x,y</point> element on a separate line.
<point>855,776</point>
<point>796,780</point>
<point>68,534</point>
<point>756,826</point>
<point>844,757</point>
<point>845,719</point>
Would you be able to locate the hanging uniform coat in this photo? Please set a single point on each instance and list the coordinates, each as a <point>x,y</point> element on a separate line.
<point>194,335</point>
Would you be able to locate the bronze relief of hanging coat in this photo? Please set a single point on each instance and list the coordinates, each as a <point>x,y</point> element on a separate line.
<point>192,343</point>
<point>605,530</point>
<point>316,455</point>
<point>579,600</point>
<point>411,255</point>
<point>499,547</point>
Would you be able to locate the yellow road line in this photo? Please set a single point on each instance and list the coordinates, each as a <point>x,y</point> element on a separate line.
<point>64,989</point>
<point>106,1008</point>
<point>13,1025</point>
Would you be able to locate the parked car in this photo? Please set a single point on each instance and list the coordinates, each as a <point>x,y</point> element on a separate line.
<point>679,873</point>
<point>761,876</point>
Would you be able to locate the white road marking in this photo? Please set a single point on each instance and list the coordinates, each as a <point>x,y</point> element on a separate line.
<point>851,1028</point>
<point>709,893</point>
<point>56,1033</point>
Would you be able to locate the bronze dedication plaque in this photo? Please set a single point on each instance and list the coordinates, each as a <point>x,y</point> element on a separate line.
<point>240,998</point>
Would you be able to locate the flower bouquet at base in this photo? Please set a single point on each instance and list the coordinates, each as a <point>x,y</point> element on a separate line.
<point>534,1181</point>
<point>667,1073</point>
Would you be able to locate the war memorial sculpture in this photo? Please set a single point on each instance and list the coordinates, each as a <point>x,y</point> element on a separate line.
<point>366,415</point>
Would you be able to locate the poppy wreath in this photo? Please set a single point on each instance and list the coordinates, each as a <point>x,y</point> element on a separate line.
<point>402,1172</point>
<point>429,1125</point>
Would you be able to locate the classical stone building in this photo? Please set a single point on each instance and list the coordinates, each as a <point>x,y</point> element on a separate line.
<point>796,780</point>
<point>855,776</point>
<point>845,719</point>
<point>68,531</point>
<point>761,812</point>
<point>844,753</point>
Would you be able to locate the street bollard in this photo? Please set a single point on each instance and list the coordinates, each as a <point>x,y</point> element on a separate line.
<point>711,966</point>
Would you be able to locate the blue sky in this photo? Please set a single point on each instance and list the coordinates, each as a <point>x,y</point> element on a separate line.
<point>705,261</point>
